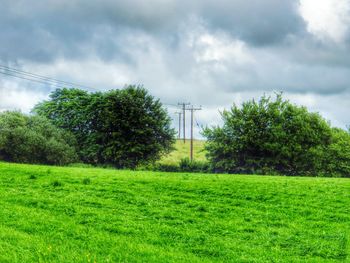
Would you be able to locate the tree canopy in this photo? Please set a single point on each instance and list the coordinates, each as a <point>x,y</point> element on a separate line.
<point>123,128</point>
<point>275,136</point>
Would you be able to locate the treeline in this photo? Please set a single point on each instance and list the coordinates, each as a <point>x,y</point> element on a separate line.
<point>120,128</point>
<point>277,137</point>
<point>129,128</point>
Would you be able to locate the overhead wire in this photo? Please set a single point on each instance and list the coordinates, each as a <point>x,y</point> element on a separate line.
<point>169,104</point>
<point>38,78</point>
<point>34,80</point>
<point>200,127</point>
<point>49,81</point>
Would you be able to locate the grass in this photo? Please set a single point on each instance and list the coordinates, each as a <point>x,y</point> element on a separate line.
<point>182,150</point>
<point>52,214</point>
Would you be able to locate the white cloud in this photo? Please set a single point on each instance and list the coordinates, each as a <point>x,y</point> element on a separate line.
<point>333,108</point>
<point>91,72</point>
<point>326,19</point>
<point>214,48</point>
<point>13,96</point>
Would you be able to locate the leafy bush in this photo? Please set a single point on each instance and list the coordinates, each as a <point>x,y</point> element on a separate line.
<point>161,167</point>
<point>124,128</point>
<point>276,137</point>
<point>186,165</point>
<point>337,156</point>
<point>33,139</point>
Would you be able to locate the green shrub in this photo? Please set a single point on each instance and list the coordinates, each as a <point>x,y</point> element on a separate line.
<point>277,137</point>
<point>122,128</point>
<point>33,139</point>
<point>166,167</point>
<point>160,167</point>
<point>186,165</point>
<point>337,156</point>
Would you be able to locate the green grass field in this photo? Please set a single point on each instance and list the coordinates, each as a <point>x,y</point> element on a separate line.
<point>52,214</point>
<point>182,150</point>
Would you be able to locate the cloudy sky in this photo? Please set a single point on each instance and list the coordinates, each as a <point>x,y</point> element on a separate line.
<point>209,53</point>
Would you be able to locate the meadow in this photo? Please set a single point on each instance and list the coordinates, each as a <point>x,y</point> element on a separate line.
<point>61,214</point>
<point>182,150</point>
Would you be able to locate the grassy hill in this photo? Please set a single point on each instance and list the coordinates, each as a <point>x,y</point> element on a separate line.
<point>51,214</point>
<point>182,150</point>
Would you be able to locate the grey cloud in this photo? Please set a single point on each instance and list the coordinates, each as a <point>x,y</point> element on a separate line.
<point>257,22</point>
<point>44,30</point>
<point>147,42</point>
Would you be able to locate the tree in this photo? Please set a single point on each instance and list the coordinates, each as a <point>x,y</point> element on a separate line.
<point>337,157</point>
<point>33,139</point>
<point>269,137</point>
<point>123,128</point>
<point>73,110</point>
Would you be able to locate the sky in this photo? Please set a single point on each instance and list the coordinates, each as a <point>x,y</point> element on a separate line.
<point>209,53</point>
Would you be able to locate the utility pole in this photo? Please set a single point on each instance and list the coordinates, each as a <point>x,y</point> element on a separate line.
<point>179,113</point>
<point>183,104</point>
<point>192,110</point>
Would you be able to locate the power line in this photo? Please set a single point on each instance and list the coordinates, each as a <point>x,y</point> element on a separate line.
<point>36,77</point>
<point>34,80</point>
<point>195,119</point>
<point>53,82</point>
<point>32,75</point>
<point>169,104</point>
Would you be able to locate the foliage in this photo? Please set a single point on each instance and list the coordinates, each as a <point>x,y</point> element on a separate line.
<point>160,167</point>
<point>128,216</point>
<point>72,109</point>
<point>123,128</point>
<point>33,139</point>
<point>337,156</point>
<point>186,165</point>
<point>270,137</point>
